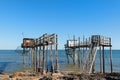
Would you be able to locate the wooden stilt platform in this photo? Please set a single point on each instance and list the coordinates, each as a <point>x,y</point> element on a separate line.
<point>39,48</point>
<point>87,51</point>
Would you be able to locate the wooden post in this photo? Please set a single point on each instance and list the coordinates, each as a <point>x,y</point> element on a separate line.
<point>90,52</point>
<point>23,56</point>
<point>86,44</point>
<point>29,60</point>
<point>100,60</point>
<point>51,57</point>
<point>43,52</point>
<point>86,54</point>
<point>36,59</point>
<point>79,53</point>
<point>33,52</point>
<point>93,66</point>
<point>67,52</point>
<point>32,60</point>
<point>83,47</point>
<point>111,57</point>
<point>41,48</point>
<point>56,51</point>
<point>39,55</point>
<point>46,58</point>
<point>43,57</point>
<point>74,51</point>
<point>103,60</point>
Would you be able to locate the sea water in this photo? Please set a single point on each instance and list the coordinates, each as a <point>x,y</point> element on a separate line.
<point>11,61</point>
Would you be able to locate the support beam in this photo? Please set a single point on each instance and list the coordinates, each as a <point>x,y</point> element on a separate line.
<point>51,57</point>
<point>79,53</point>
<point>43,65</point>
<point>23,56</point>
<point>56,52</point>
<point>46,58</point>
<point>111,60</point>
<point>39,55</point>
<point>74,51</point>
<point>100,52</point>
<point>36,59</point>
<point>67,52</point>
<point>103,60</point>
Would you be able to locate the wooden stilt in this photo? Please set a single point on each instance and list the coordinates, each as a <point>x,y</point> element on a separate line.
<point>83,47</point>
<point>23,56</point>
<point>56,51</point>
<point>32,63</point>
<point>111,60</point>
<point>100,60</point>
<point>93,66</point>
<point>103,60</point>
<point>47,59</point>
<point>79,53</point>
<point>67,52</point>
<point>33,59</point>
<point>39,55</point>
<point>43,57</point>
<point>36,59</point>
<point>51,57</point>
<point>74,51</point>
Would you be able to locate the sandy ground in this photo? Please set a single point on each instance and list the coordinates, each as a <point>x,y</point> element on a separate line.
<point>59,76</point>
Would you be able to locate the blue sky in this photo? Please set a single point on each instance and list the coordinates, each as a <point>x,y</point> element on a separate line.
<point>63,17</point>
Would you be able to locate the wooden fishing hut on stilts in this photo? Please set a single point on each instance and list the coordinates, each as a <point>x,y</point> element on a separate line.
<point>86,51</point>
<point>42,51</point>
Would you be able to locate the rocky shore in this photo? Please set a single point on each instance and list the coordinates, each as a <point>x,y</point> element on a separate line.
<point>59,76</point>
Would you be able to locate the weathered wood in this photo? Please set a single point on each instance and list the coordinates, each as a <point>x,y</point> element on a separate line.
<point>36,59</point>
<point>111,60</point>
<point>56,52</point>
<point>32,63</point>
<point>74,51</point>
<point>100,52</point>
<point>93,65</point>
<point>103,60</point>
<point>68,58</point>
<point>43,63</point>
<point>83,47</point>
<point>93,60</point>
<point>51,57</point>
<point>39,55</point>
<point>40,52</point>
<point>23,56</point>
<point>47,59</point>
<point>79,53</point>
<point>95,41</point>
